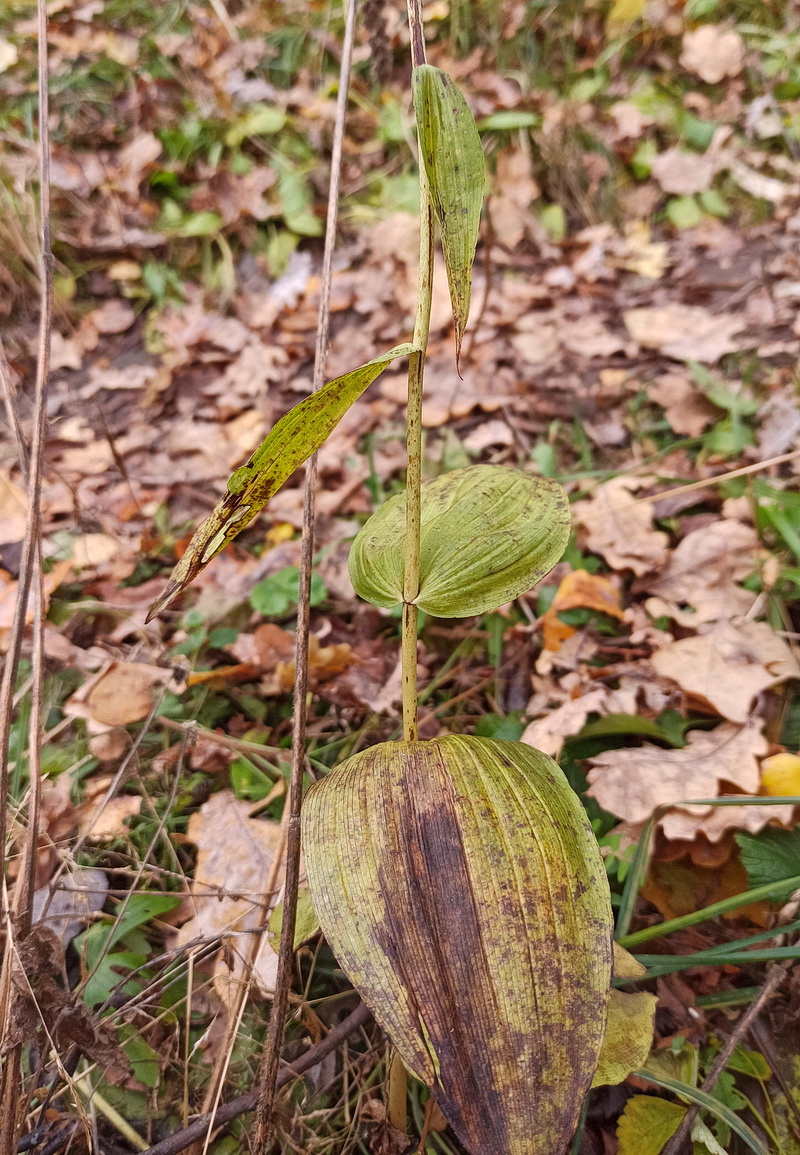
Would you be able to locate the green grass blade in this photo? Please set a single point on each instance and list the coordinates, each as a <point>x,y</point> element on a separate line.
<point>708,1103</point>
<point>450,149</point>
<point>288,444</point>
<point>773,890</point>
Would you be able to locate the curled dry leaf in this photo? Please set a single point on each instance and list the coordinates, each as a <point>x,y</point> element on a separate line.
<point>462,891</point>
<point>632,783</point>
<point>234,855</point>
<point>578,590</point>
<point>620,529</point>
<point>703,573</point>
<point>549,733</point>
<point>686,825</point>
<point>728,666</point>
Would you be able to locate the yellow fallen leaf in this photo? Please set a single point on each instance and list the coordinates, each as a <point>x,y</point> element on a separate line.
<point>579,590</point>
<point>780,775</point>
<point>624,12</point>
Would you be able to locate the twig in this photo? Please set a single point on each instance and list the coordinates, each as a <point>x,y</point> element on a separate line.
<point>9,1092</point>
<point>239,1106</point>
<point>268,1068</point>
<point>775,977</point>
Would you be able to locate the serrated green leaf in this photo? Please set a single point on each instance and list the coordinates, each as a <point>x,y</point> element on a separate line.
<point>488,534</point>
<point>462,891</point>
<point>288,444</point>
<point>646,1124</point>
<point>451,153</point>
<point>708,1103</point>
<point>771,856</point>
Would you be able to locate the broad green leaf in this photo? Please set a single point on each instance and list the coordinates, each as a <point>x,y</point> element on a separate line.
<point>646,1124</point>
<point>488,534</point>
<point>750,1063</point>
<point>628,1037</point>
<point>289,443</point>
<point>451,152</point>
<point>462,891</point>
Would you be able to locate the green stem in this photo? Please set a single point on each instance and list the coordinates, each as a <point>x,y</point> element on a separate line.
<point>416,369</point>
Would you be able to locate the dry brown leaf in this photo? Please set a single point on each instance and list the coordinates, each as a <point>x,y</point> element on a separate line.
<point>702,573</point>
<point>728,666</point>
<point>632,783</point>
<point>712,52</point>
<point>549,733</point>
<point>684,173</point>
<point>621,530</point>
<point>111,821</point>
<point>686,409</point>
<point>685,332</point>
<point>67,905</point>
<point>685,825</point>
<point>8,595</point>
<point>234,856</point>
<point>13,510</point>
<point>124,693</point>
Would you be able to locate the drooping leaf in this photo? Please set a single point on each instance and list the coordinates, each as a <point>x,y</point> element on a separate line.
<point>451,152</point>
<point>288,444</point>
<point>646,1124</point>
<point>488,534</point>
<point>462,891</point>
<point>628,1037</point>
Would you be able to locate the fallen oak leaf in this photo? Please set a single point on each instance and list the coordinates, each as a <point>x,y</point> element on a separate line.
<point>728,666</point>
<point>620,528</point>
<point>633,783</point>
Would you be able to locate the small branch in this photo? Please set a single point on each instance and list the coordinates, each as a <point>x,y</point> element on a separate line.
<point>268,1069</point>
<point>231,1110</point>
<point>775,977</point>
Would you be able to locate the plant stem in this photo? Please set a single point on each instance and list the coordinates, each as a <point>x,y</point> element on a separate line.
<point>416,369</point>
<point>268,1067</point>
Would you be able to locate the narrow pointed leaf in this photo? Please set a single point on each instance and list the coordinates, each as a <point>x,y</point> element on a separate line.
<point>451,152</point>
<point>288,444</point>
<point>488,534</point>
<point>462,891</point>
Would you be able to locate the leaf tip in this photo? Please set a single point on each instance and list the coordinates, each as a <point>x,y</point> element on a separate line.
<point>165,598</point>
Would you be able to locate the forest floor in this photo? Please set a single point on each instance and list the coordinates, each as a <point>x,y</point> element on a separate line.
<point>634,333</point>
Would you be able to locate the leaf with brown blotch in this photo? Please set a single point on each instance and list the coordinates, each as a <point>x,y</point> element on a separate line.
<point>462,891</point>
<point>297,435</point>
<point>451,152</point>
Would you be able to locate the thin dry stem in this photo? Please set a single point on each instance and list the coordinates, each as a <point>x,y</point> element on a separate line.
<point>11,1086</point>
<point>268,1069</point>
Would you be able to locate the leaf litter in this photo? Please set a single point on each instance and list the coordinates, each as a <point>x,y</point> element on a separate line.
<point>579,358</point>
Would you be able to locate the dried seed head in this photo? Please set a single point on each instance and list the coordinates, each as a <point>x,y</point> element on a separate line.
<point>488,534</point>
<point>462,890</point>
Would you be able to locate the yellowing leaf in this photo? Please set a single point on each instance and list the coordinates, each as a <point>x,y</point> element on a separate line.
<point>289,443</point>
<point>628,1037</point>
<point>488,534</point>
<point>646,1124</point>
<point>451,152</point>
<point>578,590</point>
<point>462,892</point>
<point>625,965</point>
<point>624,12</point>
<point>780,775</point>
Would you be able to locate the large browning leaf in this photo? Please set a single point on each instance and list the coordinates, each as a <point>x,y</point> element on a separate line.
<point>487,535</point>
<point>451,152</point>
<point>462,891</point>
<point>289,443</point>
